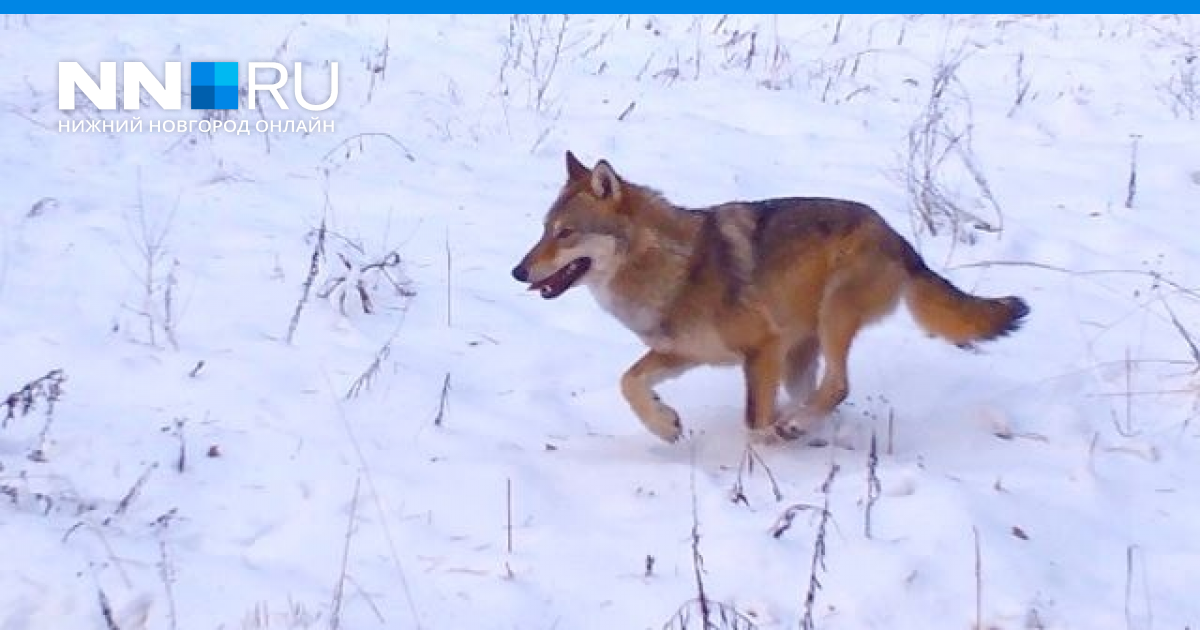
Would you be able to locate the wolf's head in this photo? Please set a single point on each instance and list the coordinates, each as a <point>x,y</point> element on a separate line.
<point>585,232</point>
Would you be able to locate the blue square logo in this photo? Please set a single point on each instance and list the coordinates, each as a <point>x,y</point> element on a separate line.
<point>214,85</point>
<point>225,74</point>
<point>204,97</point>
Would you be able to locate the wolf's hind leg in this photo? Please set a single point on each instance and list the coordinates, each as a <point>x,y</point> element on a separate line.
<point>837,331</point>
<point>856,302</point>
<point>638,387</point>
<point>800,370</point>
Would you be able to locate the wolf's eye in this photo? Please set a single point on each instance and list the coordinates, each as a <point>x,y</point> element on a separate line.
<point>564,233</point>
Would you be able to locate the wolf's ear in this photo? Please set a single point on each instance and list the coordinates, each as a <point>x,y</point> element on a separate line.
<point>575,169</point>
<point>605,183</point>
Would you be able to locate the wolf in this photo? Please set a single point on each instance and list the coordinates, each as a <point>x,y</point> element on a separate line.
<point>774,286</point>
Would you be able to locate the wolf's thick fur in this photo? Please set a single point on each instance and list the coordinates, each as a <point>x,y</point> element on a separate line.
<point>769,285</point>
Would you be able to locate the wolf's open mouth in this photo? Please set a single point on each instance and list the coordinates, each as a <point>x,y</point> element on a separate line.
<point>556,283</point>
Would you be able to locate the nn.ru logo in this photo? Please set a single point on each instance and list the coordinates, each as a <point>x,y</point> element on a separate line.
<point>215,85</point>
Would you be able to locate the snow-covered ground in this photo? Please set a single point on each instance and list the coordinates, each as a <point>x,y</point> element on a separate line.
<point>201,472</point>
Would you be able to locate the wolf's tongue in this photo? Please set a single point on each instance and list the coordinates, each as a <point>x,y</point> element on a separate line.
<point>558,282</point>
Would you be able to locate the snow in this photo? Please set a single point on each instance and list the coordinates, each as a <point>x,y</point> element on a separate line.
<point>1065,454</point>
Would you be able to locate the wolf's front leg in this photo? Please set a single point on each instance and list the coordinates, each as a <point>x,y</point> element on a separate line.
<point>638,387</point>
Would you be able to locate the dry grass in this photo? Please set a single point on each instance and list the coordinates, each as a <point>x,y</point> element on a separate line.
<point>157,279</point>
<point>938,151</point>
<point>44,391</point>
<point>818,555</point>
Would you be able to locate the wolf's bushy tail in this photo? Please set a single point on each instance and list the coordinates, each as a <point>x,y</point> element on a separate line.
<point>946,311</point>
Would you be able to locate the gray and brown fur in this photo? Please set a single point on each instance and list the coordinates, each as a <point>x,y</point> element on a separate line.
<point>770,285</point>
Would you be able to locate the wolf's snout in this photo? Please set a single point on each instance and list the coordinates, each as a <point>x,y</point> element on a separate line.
<point>520,273</point>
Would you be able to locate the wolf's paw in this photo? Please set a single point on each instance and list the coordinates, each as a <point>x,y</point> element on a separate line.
<point>765,436</point>
<point>664,422</point>
<point>792,424</point>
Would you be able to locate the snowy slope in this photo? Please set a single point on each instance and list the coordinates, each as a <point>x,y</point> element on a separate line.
<point>1047,482</point>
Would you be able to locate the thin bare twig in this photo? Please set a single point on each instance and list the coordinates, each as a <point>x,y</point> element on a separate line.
<point>1023,84</point>
<point>150,242</point>
<point>978,582</point>
<point>364,380</point>
<point>1127,431</point>
<point>722,616</point>
<point>818,555</point>
<point>1132,553</point>
<point>1153,275</point>
<point>508,512</point>
<point>367,378</point>
<point>339,591</point>
<point>874,487</point>
<point>746,467</point>
<point>181,461</point>
<point>378,67</point>
<point>46,389</point>
<point>345,144</point>
<point>936,139</point>
<point>441,412</point>
<point>628,110</point>
<point>365,470</point>
<point>697,557</point>
<point>1187,336</point>
<point>314,267</point>
<point>169,285</point>
<point>106,611</point>
<point>784,522</point>
<point>132,494</point>
<point>1132,186</point>
<point>166,571</point>
<point>354,277</point>
<point>1129,586</point>
<point>367,598</point>
<point>891,430</point>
